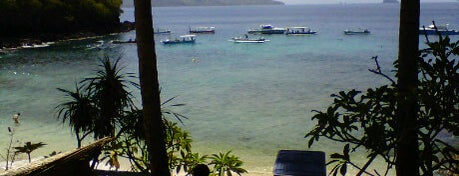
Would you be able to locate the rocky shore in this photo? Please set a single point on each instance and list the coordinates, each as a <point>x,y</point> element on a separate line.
<point>37,40</point>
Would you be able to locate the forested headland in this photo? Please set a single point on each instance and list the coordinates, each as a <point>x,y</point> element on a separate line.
<point>49,20</point>
<point>169,3</point>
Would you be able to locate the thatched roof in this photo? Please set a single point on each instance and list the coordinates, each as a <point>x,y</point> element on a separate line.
<point>73,162</point>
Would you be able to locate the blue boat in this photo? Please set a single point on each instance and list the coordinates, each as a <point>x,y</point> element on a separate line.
<point>441,29</point>
<point>182,39</point>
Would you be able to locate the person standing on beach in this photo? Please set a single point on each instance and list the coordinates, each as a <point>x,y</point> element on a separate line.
<point>16,117</point>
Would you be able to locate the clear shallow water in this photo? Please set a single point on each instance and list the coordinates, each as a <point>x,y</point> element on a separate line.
<point>254,99</point>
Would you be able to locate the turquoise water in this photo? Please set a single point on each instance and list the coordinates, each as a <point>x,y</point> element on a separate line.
<point>254,99</point>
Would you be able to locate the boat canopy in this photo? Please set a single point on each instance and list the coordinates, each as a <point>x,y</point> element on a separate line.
<point>266,26</point>
<point>184,36</point>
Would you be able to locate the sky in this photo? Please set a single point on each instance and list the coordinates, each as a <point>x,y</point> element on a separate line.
<point>347,1</point>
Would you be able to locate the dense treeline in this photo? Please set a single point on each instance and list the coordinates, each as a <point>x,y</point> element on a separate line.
<point>166,3</point>
<point>33,18</point>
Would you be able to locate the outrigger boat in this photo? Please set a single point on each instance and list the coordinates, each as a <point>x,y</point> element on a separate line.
<point>182,39</point>
<point>246,39</point>
<point>162,31</point>
<point>360,31</point>
<point>202,30</point>
<point>441,29</point>
<point>299,31</point>
<point>121,41</point>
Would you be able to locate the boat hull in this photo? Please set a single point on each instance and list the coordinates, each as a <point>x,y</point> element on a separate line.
<point>176,42</point>
<point>246,40</point>
<point>203,32</point>
<point>300,33</point>
<point>433,32</point>
<point>249,41</point>
<point>356,32</point>
<point>274,31</point>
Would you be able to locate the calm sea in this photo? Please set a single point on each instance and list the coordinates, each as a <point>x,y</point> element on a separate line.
<point>253,99</point>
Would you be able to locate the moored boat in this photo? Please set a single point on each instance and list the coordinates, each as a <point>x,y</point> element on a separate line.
<point>182,39</point>
<point>123,41</point>
<point>202,30</point>
<point>440,29</point>
<point>355,32</point>
<point>299,31</point>
<point>162,31</point>
<point>267,29</point>
<point>246,39</point>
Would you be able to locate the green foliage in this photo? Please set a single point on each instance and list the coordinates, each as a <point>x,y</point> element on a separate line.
<point>20,17</point>
<point>367,119</point>
<point>10,156</point>
<point>108,90</point>
<point>103,106</point>
<point>28,148</point>
<point>225,164</point>
<point>78,111</point>
<point>99,105</point>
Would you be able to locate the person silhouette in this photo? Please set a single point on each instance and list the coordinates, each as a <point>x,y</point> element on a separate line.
<point>201,170</point>
<point>16,117</point>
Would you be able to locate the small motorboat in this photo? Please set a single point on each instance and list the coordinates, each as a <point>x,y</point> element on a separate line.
<point>437,29</point>
<point>246,39</point>
<point>202,30</point>
<point>356,32</point>
<point>182,39</point>
<point>267,29</point>
<point>299,31</point>
<point>162,31</point>
<point>123,41</point>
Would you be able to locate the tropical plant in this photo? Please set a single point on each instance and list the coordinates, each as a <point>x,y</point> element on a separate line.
<point>9,156</point>
<point>108,90</point>
<point>368,119</point>
<point>225,164</point>
<point>131,145</point>
<point>80,112</point>
<point>28,148</point>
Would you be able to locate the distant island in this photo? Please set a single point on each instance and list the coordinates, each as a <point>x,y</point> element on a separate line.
<point>171,3</point>
<point>390,1</point>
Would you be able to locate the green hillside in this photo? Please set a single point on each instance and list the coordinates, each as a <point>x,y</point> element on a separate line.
<point>167,3</point>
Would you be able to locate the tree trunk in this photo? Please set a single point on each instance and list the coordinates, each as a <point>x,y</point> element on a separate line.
<point>153,125</point>
<point>407,149</point>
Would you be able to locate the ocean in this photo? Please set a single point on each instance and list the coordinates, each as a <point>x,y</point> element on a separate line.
<point>253,99</point>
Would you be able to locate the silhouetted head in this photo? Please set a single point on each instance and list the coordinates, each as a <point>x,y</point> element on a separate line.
<point>201,170</point>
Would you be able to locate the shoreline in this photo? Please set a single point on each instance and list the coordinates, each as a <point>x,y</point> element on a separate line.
<point>46,39</point>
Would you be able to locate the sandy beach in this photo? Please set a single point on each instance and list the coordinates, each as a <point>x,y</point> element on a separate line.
<point>125,167</point>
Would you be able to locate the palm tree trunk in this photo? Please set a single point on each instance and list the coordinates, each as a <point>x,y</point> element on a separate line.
<point>153,125</point>
<point>407,161</point>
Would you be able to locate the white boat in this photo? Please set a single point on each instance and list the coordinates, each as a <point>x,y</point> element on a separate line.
<point>441,29</point>
<point>267,29</point>
<point>246,39</point>
<point>299,31</point>
<point>202,30</point>
<point>355,32</point>
<point>182,39</point>
<point>162,31</point>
